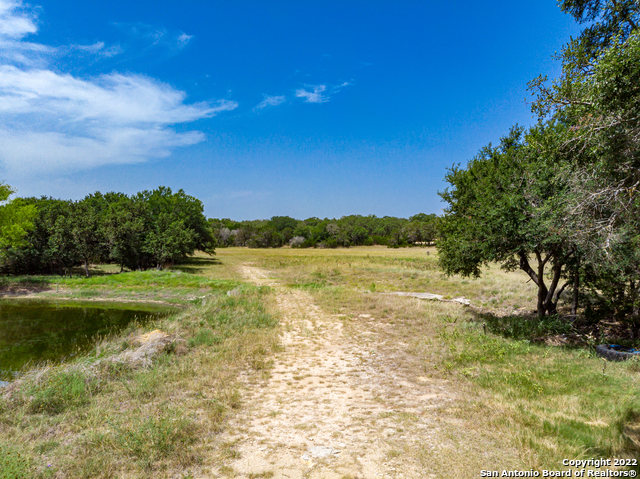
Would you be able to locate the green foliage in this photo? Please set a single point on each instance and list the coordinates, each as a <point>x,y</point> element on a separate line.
<point>569,194</point>
<point>16,220</point>
<point>354,230</point>
<point>598,97</point>
<point>501,208</point>
<point>149,230</point>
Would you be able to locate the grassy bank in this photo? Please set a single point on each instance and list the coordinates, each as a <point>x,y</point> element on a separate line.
<point>182,284</point>
<point>100,418</point>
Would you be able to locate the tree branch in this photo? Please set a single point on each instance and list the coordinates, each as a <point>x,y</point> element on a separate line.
<point>526,267</point>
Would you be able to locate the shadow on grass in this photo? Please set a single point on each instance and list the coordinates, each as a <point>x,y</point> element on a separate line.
<point>552,330</point>
<point>20,285</point>
<point>196,264</point>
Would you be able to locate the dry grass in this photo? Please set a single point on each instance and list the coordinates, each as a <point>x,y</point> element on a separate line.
<point>510,403</point>
<point>381,269</point>
<point>518,403</point>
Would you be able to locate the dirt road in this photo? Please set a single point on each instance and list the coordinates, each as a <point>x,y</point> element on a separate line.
<point>332,405</point>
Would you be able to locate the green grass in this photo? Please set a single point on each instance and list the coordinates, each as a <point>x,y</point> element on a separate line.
<point>172,286</point>
<point>512,393</point>
<point>204,337</point>
<point>556,401</point>
<point>13,465</point>
<point>146,279</point>
<point>59,391</point>
<point>530,328</point>
<point>402,269</point>
<point>150,439</point>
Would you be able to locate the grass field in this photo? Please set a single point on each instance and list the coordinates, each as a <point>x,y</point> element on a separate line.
<point>511,400</point>
<point>550,402</point>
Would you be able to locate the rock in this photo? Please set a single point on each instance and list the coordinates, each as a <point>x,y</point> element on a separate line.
<point>320,452</point>
<point>431,296</point>
<point>461,300</point>
<point>147,346</point>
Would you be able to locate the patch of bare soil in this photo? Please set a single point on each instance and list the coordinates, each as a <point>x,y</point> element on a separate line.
<point>333,406</point>
<point>22,289</point>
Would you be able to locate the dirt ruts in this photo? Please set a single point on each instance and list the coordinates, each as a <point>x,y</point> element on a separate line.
<point>332,406</point>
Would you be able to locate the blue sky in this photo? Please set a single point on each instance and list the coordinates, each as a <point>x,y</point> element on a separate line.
<point>265,108</point>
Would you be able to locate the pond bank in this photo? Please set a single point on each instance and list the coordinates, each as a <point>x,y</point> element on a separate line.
<point>34,331</point>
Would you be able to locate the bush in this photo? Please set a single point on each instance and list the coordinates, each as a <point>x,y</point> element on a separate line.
<point>296,241</point>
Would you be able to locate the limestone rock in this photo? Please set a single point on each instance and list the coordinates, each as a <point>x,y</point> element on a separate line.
<point>147,346</point>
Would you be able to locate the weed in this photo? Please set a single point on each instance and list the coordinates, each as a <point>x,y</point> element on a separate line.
<point>155,438</point>
<point>13,463</point>
<point>59,391</point>
<point>204,337</point>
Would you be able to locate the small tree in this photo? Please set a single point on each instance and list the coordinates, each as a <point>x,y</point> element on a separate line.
<point>501,208</point>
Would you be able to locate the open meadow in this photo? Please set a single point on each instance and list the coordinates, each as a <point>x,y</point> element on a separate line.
<point>298,363</point>
<point>355,240</point>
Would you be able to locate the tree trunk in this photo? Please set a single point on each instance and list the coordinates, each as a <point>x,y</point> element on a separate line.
<point>537,278</point>
<point>576,291</point>
<point>551,300</point>
<point>86,268</point>
<point>547,296</point>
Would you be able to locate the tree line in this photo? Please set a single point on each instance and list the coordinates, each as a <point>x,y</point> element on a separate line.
<point>147,230</point>
<point>561,200</point>
<point>353,230</point>
<point>153,229</point>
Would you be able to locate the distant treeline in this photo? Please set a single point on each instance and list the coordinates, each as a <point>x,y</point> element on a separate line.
<point>147,230</point>
<point>153,229</point>
<point>351,230</point>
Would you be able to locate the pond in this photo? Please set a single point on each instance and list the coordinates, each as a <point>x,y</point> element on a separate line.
<point>35,331</point>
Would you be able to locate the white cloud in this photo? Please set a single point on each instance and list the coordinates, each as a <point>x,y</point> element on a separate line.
<point>146,37</point>
<point>97,48</point>
<point>314,95</point>
<point>33,152</point>
<point>183,39</point>
<point>271,100</point>
<point>52,121</point>
<point>14,23</point>
<point>319,93</point>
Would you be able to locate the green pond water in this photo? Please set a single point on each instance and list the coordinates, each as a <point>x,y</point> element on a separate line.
<point>34,331</point>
